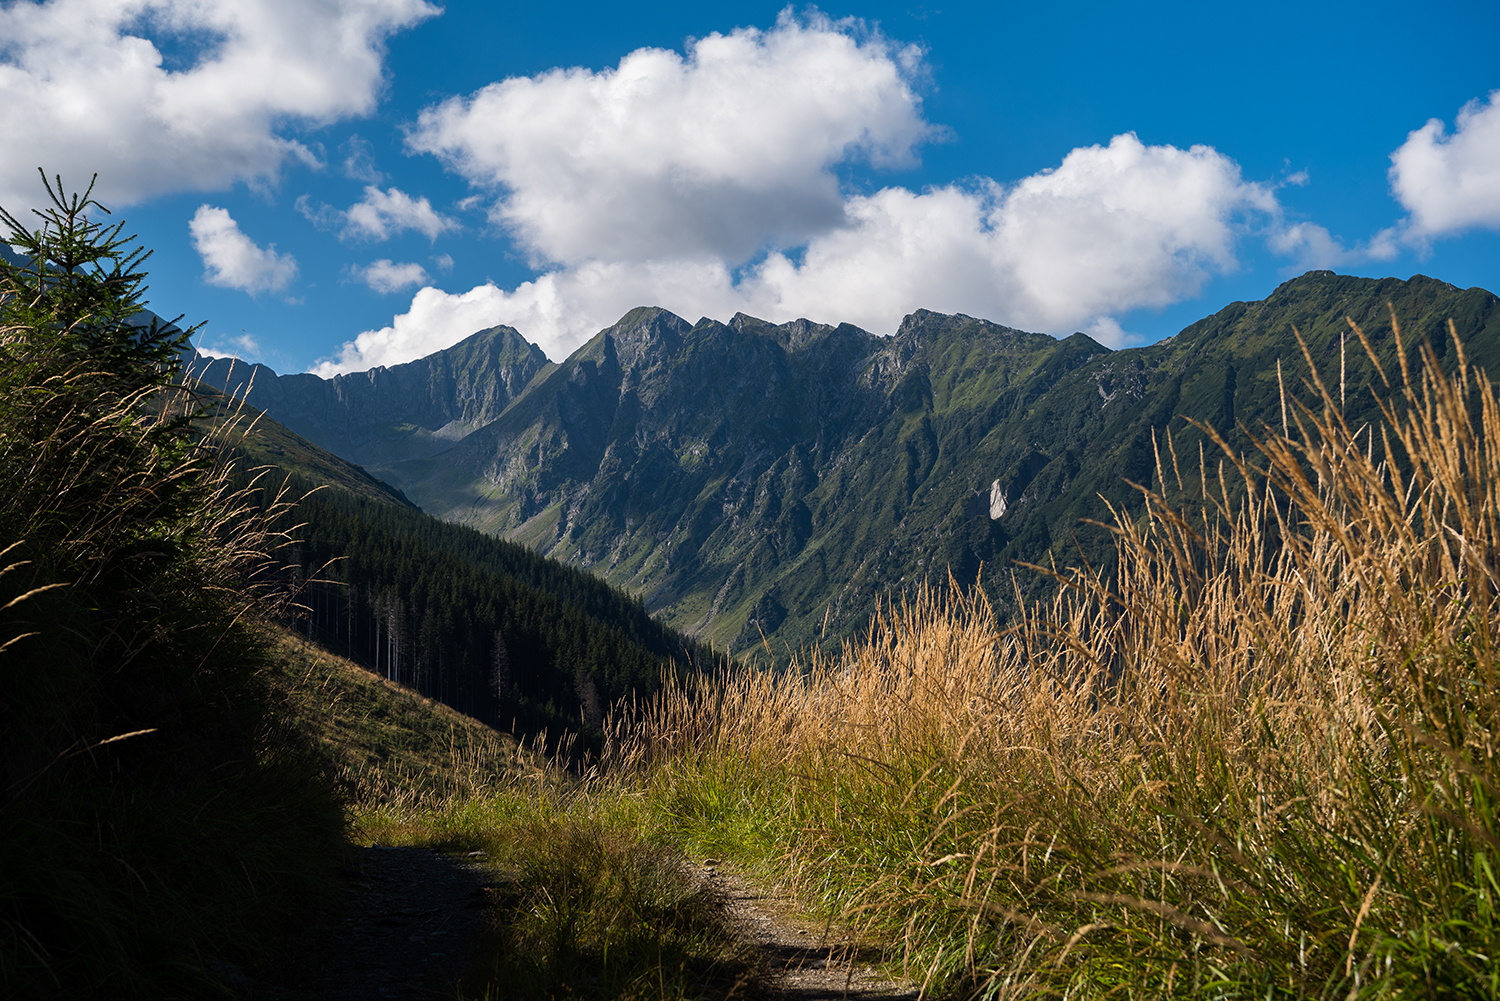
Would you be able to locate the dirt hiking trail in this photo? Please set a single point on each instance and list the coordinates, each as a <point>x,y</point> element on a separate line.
<point>413,915</point>
<point>408,931</point>
<point>808,960</point>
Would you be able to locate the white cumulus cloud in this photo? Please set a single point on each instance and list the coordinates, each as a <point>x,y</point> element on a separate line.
<point>85,87</point>
<point>1110,229</point>
<point>719,151</point>
<point>381,215</point>
<point>1450,182</point>
<point>233,260</point>
<point>384,276</point>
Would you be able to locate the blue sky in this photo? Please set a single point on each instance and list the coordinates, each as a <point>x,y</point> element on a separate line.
<point>336,185</point>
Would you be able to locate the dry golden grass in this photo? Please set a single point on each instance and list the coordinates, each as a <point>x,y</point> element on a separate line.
<point>1259,761</point>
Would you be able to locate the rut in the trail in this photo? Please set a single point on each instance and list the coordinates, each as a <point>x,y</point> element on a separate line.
<point>808,961</point>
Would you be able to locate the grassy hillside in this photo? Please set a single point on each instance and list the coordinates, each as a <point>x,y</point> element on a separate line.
<point>264,442</point>
<point>383,745</point>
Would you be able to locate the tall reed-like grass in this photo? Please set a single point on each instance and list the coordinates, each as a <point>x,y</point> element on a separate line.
<point>1259,761</point>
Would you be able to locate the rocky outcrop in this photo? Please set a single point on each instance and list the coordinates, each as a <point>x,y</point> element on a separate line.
<point>385,414</point>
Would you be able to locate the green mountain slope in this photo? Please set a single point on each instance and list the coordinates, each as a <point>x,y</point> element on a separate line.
<point>750,479</point>
<point>265,442</point>
<point>488,627</point>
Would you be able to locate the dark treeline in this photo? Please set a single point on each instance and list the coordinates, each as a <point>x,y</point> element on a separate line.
<point>488,627</point>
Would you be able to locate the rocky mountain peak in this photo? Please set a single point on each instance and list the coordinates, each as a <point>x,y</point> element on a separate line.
<point>646,336</point>
<point>399,411</point>
<point>924,324</point>
<point>925,321</point>
<point>745,322</point>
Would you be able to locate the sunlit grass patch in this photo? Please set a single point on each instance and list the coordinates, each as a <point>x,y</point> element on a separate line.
<point>587,910</point>
<point>385,745</point>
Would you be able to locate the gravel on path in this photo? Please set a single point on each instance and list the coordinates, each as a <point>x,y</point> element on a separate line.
<point>408,932</point>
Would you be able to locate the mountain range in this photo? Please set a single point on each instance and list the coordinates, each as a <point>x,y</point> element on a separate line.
<point>759,483</point>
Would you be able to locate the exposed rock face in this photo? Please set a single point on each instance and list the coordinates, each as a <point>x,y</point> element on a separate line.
<point>998,500</point>
<point>755,479</point>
